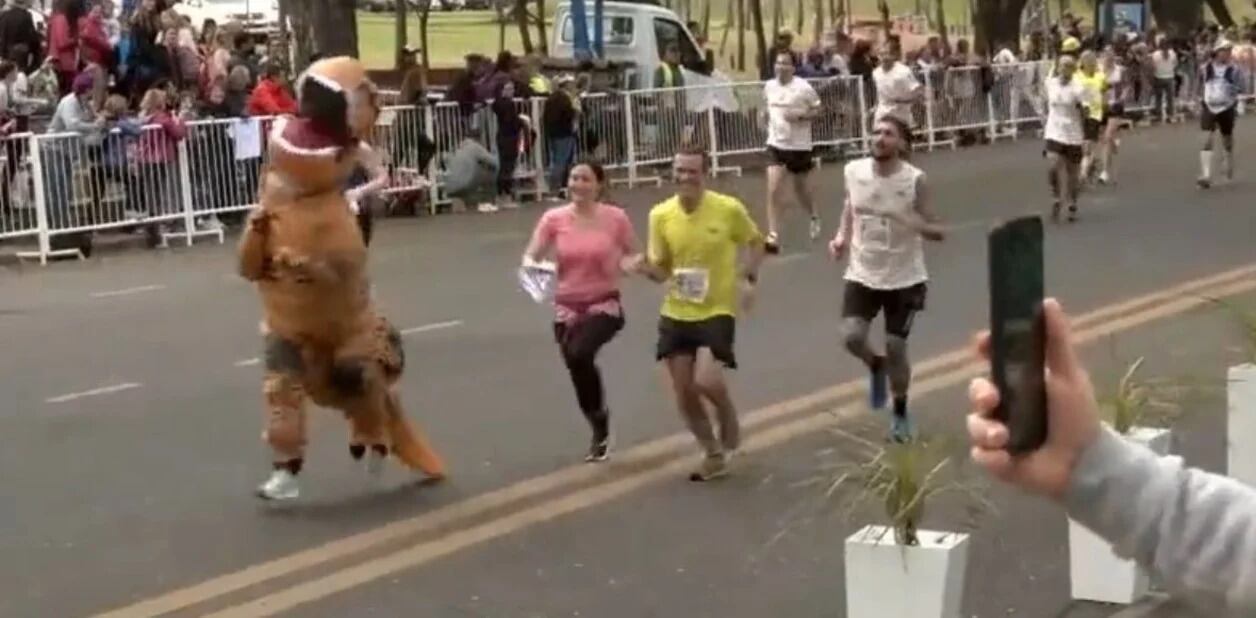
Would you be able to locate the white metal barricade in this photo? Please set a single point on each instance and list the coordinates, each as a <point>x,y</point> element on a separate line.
<point>843,109</point>
<point>17,202</point>
<point>60,185</point>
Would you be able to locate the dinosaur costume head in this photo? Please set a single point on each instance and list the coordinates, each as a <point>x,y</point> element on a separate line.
<point>337,108</point>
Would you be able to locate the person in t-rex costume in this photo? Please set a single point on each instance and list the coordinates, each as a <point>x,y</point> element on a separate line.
<point>303,248</point>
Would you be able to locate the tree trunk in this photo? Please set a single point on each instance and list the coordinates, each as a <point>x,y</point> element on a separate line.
<point>525,29</point>
<point>1179,17</point>
<point>334,25</point>
<point>818,26</point>
<point>402,34</point>
<point>941,13</point>
<point>300,18</point>
<point>997,24</point>
<point>776,17</point>
<point>425,11</point>
<point>741,34</point>
<point>1221,12</point>
<point>756,15</point>
<point>706,21</point>
<point>798,19</point>
<point>883,8</point>
<point>543,43</point>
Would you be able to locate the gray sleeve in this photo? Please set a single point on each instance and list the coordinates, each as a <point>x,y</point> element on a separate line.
<point>1194,529</point>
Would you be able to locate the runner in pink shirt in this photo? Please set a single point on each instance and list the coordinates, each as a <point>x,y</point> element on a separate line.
<point>593,245</point>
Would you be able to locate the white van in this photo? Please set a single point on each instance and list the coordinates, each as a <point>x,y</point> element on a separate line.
<point>633,33</point>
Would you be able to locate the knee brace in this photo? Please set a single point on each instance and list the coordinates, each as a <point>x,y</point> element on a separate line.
<point>855,335</point>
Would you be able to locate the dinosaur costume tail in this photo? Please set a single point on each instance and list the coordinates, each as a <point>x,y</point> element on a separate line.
<point>409,444</point>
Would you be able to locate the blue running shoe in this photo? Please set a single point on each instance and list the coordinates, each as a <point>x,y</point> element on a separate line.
<point>900,429</point>
<point>878,385</point>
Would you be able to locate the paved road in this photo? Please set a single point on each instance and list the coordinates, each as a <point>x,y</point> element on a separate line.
<point>133,403</point>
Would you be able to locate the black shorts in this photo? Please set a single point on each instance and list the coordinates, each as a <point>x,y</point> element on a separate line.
<point>716,334</point>
<point>795,161</point>
<point>900,306</point>
<point>1115,110</point>
<point>1070,152</point>
<point>1091,129</point>
<point>1223,121</point>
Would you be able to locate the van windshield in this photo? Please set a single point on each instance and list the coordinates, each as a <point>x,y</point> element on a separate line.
<point>616,30</point>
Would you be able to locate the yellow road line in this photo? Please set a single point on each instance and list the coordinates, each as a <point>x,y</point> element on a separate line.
<point>422,553</point>
<point>535,487</point>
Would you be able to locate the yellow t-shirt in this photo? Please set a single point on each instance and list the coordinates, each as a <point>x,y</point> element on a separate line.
<point>1094,85</point>
<point>699,250</point>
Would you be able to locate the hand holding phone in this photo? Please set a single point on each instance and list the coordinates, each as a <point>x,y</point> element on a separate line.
<point>1017,331</point>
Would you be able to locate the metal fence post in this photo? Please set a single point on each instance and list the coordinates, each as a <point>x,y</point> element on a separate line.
<point>41,201</point>
<point>631,138</point>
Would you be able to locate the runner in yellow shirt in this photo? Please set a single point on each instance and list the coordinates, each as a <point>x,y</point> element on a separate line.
<point>694,241</point>
<point>1095,82</point>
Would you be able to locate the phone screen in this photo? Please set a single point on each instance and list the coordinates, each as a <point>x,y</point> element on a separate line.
<point>1017,334</point>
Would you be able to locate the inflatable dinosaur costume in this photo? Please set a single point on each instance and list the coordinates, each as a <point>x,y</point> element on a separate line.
<point>324,341</point>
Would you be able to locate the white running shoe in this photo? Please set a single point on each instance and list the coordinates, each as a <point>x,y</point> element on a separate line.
<point>282,485</point>
<point>487,207</point>
<point>816,228</point>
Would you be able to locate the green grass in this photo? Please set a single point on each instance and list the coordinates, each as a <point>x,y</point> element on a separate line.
<point>453,35</point>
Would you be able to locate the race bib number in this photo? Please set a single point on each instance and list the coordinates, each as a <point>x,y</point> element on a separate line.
<point>874,232</point>
<point>692,284</point>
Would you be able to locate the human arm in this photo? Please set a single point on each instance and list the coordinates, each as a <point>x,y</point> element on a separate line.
<point>377,171</point>
<point>1196,530</point>
<point>658,263</point>
<point>810,103</point>
<point>542,239</point>
<point>845,228</point>
<point>633,260</point>
<point>174,127</point>
<point>922,218</point>
<point>747,234</point>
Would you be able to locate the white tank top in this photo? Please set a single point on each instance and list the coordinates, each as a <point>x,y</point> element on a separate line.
<point>884,254</point>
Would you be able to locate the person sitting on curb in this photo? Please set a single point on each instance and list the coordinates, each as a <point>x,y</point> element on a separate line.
<point>1194,529</point>
<point>471,177</point>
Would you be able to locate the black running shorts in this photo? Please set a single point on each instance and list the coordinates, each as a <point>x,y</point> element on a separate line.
<point>900,305</point>
<point>795,161</point>
<point>1221,121</point>
<point>1071,152</point>
<point>680,338</point>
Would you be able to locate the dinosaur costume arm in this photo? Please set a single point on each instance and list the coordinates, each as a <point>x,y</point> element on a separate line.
<point>252,257</point>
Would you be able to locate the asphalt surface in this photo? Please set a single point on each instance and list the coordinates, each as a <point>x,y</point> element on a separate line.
<point>133,409</point>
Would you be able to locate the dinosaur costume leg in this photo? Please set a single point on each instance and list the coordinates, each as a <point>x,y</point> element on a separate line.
<point>362,377</point>
<point>286,397</point>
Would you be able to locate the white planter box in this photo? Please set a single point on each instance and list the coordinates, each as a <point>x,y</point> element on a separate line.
<point>1241,423</point>
<point>886,580</point>
<point>1096,572</point>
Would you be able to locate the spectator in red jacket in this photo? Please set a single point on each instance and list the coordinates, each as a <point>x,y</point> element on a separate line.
<point>271,97</point>
<point>94,39</point>
<point>63,41</point>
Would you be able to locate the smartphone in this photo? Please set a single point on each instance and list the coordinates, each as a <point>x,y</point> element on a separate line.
<point>1017,331</point>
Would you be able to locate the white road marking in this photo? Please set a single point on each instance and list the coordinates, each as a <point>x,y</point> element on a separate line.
<point>104,390</point>
<point>248,362</point>
<point>127,291</point>
<point>430,327</point>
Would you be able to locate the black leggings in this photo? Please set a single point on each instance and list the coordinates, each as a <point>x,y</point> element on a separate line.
<point>579,343</point>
